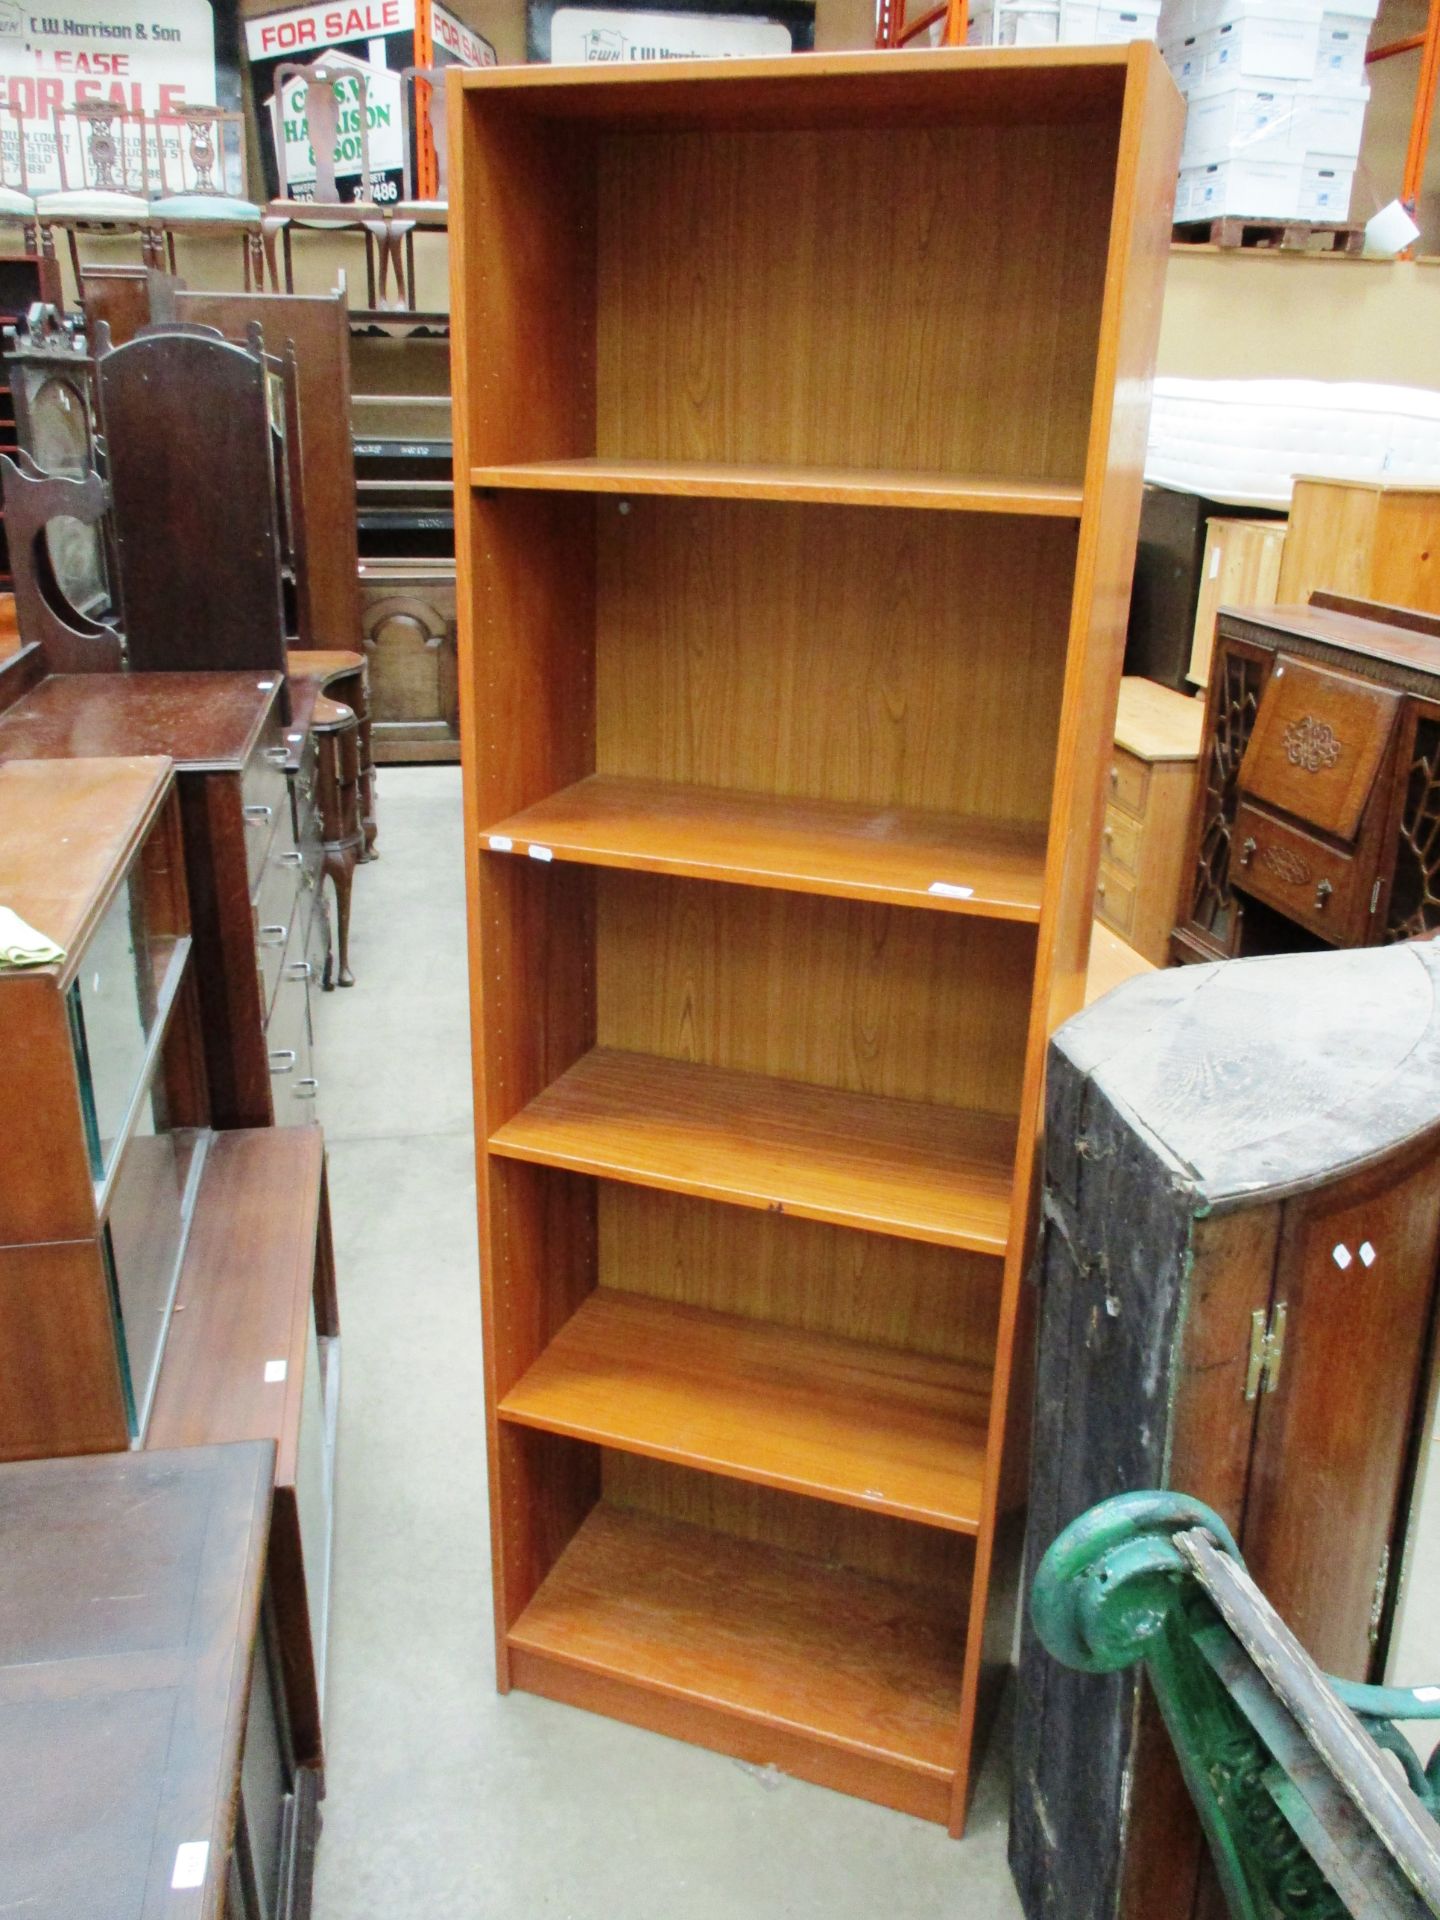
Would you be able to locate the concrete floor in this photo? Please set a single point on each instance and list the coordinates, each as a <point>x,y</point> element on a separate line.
<point>446,1802</point>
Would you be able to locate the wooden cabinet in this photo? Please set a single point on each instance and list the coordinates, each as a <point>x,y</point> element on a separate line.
<point>1147,814</point>
<point>1312,822</point>
<point>1241,568</point>
<point>254,1354</point>
<point>1369,539</point>
<point>1238,1287</point>
<point>144,1739</point>
<point>408,630</point>
<point>101,1127</point>
<point>254,885</point>
<point>791,617</point>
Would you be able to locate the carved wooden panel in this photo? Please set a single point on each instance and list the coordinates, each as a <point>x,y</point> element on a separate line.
<point>408,630</point>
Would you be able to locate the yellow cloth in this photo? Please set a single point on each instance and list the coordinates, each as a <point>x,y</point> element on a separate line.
<point>22,946</point>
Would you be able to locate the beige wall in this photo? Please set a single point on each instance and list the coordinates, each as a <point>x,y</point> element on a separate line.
<point>1245,315</point>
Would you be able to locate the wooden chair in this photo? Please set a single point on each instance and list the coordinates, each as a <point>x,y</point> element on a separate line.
<point>1306,1817</point>
<point>104,181</point>
<point>201,155</point>
<point>327,81</point>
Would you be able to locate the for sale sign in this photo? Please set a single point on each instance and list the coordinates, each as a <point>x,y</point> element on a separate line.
<point>99,50</point>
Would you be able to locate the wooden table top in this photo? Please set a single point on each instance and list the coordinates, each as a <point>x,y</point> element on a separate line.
<point>68,830</point>
<point>129,1605</point>
<point>203,721</point>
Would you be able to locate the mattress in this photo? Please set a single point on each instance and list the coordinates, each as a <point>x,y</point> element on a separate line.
<point>1244,441</point>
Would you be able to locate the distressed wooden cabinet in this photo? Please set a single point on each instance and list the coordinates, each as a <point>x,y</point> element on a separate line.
<point>1320,779</point>
<point>786,695</point>
<point>1237,1293</point>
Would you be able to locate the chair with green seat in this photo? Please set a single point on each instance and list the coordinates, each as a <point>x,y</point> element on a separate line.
<point>201,155</point>
<point>1305,1817</point>
<point>103,154</point>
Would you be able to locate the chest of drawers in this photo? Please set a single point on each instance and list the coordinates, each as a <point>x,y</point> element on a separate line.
<point>1147,812</point>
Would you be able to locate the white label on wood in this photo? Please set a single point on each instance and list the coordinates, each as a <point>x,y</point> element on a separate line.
<point>274,1372</point>
<point>191,1859</point>
<point>501,843</point>
<point>1342,1255</point>
<point>947,890</point>
<point>541,853</point>
<point>1367,1253</point>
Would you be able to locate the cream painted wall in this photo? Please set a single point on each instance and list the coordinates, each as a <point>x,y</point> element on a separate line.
<point>1327,318</point>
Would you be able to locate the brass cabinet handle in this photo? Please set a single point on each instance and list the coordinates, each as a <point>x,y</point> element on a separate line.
<point>1322,894</point>
<point>1247,850</point>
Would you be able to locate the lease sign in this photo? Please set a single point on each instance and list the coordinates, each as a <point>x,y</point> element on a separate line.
<point>97,50</point>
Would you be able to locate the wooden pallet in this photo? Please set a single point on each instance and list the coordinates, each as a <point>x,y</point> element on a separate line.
<point>1282,236</point>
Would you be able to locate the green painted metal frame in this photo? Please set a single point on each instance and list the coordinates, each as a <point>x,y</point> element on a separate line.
<point>1114,1589</point>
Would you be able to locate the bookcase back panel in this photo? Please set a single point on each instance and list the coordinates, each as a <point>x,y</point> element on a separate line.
<point>836,993</point>
<point>835,653</point>
<point>799,1273</point>
<point>885,296</point>
<point>839,1536</point>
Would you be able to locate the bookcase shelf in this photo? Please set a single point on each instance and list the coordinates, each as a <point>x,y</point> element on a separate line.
<point>872,1427</point>
<point>845,486</point>
<point>764,1640</point>
<point>888,1166</point>
<point>793,571</point>
<point>898,854</point>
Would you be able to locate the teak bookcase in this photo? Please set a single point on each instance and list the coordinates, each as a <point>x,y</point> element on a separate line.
<point>794,575</point>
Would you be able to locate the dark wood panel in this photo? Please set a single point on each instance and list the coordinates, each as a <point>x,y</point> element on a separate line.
<point>126,1640</point>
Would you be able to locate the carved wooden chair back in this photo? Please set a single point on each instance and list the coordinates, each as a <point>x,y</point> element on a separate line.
<point>330,87</point>
<point>201,151</point>
<point>107,151</point>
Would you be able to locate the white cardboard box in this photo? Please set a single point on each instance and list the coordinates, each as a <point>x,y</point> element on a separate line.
<point>1235,116</point>
<point>1340,57</point>
<point>1335,120</point>
<point>1034,24</point>
<point>1262,46</point>
<point>1108,22</point>
<point>1254,189</point>
<point>1325,187</point>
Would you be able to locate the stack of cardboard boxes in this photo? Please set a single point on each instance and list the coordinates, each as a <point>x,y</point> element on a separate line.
<point>1047,23</point>
<point>1277,95</point>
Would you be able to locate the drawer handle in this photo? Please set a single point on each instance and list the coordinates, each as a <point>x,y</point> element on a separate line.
<point>274,936</point>
<point>1114,776</point>
<point>276,755</point>
<point>1247,850</point>
<point>306,1089</point>
<point>257,810</point>
<point>1322,894</point>
<point>1108,836</point>
<point>291,857</point>
<point>1100,890</point>
<point>282,1060</point>
<point>300,970</point>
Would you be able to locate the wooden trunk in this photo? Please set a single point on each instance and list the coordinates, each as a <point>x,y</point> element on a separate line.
<point>1237,1279</point>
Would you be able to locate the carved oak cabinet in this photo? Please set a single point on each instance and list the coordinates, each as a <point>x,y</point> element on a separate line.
<point>1319,801</point>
